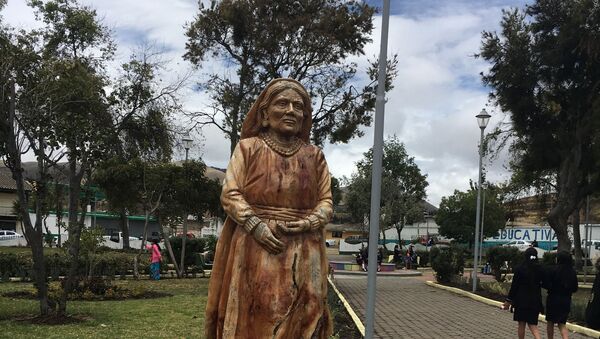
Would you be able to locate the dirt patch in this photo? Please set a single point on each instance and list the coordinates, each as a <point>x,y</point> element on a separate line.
<point>480,292</point>
<point>343,325</point>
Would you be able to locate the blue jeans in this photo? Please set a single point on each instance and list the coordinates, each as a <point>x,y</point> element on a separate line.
<point>155,270</point>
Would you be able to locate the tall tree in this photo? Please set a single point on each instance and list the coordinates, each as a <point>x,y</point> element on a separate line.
<point>190,192</point>
<point>22,130</point>
<point>545,75</point>
<point>456,215</point>
<point>77,46</point>
<point>141,109</point>
<point>402,189</point>
<point>308,40</point>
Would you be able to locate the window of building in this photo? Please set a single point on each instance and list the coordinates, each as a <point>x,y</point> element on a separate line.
<point>336,234</point>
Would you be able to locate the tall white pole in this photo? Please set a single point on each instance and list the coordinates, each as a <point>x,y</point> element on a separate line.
<point>478,216</point>
<point>376,173</point>
<point>482,224</point>
<point>587,238</point>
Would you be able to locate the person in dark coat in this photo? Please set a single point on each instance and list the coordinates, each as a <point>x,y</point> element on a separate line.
<point>379,258</point>
<point>525,295</point>
<point>592,312</point>
<point>397,255</point>
<point>561,283</point>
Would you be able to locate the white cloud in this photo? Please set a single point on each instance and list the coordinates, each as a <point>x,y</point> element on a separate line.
<point>437,93</point>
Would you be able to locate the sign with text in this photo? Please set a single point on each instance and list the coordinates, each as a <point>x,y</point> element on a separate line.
<point>527,234</point>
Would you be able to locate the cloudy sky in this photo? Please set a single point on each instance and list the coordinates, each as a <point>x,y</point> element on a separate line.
<point>432,108</point>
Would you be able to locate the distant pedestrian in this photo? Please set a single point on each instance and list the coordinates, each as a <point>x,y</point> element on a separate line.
<point>397,255</point>
<point>525,296</point>
<point>592,311</point>
<point>360,261</point>
<point>561,283</point>
<point>408,259</point>
<point>154,249</point>
<point>379,258</point>
<point>365,255</point>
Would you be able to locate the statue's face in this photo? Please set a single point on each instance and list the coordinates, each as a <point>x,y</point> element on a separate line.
<point>285,113</point>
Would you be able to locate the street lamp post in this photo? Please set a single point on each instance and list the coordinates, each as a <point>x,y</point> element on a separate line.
<point>482,119</point>
<point>187,144</point>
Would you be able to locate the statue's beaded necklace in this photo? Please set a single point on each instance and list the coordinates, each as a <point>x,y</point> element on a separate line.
<point>283,149</point>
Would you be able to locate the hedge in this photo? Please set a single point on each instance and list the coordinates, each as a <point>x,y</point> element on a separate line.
<point>109,264</point>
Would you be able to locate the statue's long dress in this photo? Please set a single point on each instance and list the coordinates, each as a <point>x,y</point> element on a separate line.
<point>254,294</point>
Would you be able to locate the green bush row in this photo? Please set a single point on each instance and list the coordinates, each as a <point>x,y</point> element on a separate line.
<point>103,263</point>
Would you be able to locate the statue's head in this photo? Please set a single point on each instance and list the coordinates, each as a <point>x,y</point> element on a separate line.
<point>284,106</point>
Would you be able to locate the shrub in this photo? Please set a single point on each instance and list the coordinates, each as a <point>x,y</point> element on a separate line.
<point>424,258</point>
<point>498,256</point>
<point>211,243</point>
<point>192,246</point>
<point>549,258</point>
<point>57,264</point>
<point>496,287</point>
<point>447,263</point>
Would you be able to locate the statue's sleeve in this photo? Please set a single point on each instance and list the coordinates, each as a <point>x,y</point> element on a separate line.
<point>322,213</point>
<point>232,196</point>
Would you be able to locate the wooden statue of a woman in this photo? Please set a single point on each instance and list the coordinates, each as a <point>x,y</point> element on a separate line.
<point>269,277</point>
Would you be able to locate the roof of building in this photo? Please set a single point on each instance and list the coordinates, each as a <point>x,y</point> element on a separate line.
<point>215,173</point>
<point>7,183</point>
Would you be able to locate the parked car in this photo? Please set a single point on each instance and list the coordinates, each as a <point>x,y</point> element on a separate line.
<point>116,237</point>
<point>330,242</point>
<point>522,245</point>
<point>5,235</point>
<point>356,239</point>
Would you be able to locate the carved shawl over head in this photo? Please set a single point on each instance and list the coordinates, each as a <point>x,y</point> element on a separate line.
<point>252,125</point>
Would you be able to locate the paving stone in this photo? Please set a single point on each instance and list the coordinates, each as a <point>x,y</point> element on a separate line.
<point>407,308</point>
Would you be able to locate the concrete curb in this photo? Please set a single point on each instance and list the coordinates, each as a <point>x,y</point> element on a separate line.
<point>570,326</point>
<point>355,318</point>
<point>395,274</point>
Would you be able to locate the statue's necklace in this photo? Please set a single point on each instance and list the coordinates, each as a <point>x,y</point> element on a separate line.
<point>283,149</point>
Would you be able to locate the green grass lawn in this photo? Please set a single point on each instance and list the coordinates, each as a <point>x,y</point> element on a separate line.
<point>178,316</point>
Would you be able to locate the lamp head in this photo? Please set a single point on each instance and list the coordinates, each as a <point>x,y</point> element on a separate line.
<point>187,141</point>
<point>483,118</point>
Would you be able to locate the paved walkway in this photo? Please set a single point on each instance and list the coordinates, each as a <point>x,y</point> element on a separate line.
<point>407,308</point>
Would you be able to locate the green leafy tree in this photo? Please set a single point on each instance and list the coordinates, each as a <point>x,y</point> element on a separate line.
<point>119,180</point>
<point>456,215</point>
<point>190,193</point>
<point>307,40</point>
<point>141,107</point>
<point>545,75</point>
<point>24,127</point>
<point>402,190</point>
<point>51,81</point>
<point>336,191</point>
<point>73,48</point>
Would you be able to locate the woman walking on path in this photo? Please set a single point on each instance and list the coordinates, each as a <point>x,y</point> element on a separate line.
<point>525,295</point>
<point>592,312</point>
<point>155,259</point>
<point>561,283</point>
